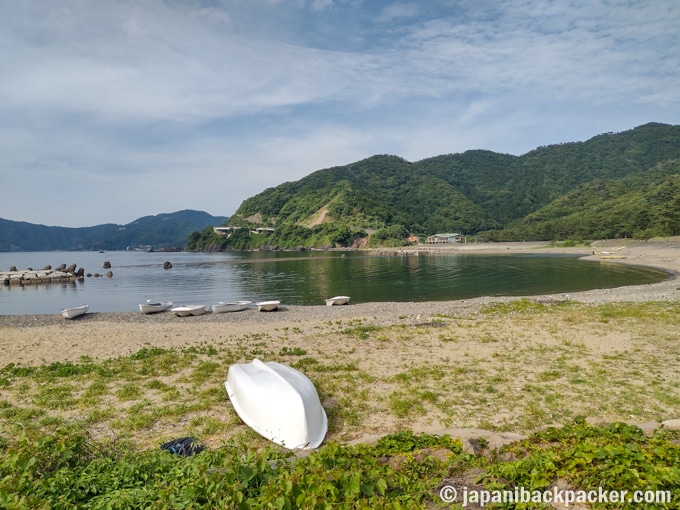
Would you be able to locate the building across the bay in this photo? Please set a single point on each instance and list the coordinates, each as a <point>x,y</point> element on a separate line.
<point>445,239</point>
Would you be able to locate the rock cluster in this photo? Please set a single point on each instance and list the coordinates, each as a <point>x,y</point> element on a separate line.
<point>30,276</point>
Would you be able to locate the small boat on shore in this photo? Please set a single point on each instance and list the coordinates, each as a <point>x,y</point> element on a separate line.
<point>337,300</point>
<point>278,402</point>
<point>150,307</point>
<point>186,310</point>
<point>236,306</point>
<point>267,306</point>
<point>72,313</point>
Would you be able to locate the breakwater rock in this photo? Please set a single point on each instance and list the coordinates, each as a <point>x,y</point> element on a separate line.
<point>30,276</point>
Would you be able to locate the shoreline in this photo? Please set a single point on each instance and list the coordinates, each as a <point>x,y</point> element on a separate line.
<point>48,338</point>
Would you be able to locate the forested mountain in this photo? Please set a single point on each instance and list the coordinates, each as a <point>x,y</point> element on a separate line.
<point>581,188</point>
<point>641,205</point>
<point>160,231</point>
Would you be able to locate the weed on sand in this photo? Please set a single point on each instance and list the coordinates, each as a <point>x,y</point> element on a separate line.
<point>511,366</point>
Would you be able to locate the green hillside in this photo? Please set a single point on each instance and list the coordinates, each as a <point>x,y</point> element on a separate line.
<point>613,185</point>
<point>641,206</point>
<point>160,231</point>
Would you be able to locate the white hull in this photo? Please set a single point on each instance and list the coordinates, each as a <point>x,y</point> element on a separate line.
<point>337,300</point>
<point>184,311</point>
<point>268,306</point>
<point>278,402</point>
<point>72,313</point>
<point>149,307</point>
<point>231,307</point>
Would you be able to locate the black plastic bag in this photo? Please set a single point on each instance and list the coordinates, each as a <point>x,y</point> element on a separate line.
<point>183,446</point>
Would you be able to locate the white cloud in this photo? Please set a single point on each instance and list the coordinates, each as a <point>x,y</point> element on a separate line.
<point>249,95</point>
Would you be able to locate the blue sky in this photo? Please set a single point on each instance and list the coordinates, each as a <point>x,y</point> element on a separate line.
<point>115,109</point>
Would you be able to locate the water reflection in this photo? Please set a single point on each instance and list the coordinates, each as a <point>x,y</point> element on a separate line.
<point>306,278</point>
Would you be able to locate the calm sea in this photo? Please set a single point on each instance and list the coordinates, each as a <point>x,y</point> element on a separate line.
<point>302,278</point>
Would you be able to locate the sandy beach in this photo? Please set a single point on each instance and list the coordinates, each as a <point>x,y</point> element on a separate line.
<point>45,339</point>
<point>483,362</point>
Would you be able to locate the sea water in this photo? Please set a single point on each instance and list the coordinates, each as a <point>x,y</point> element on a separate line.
<point>305,278</point>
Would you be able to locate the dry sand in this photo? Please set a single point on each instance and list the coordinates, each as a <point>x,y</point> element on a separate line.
<point>420,366</point>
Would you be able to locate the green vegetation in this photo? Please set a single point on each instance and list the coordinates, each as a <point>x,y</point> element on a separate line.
<point>611,186</point>
<point>392,236</point>
<point>66,469</point>
<point>160,231</point>
<point>86,434</point>
<point>638,207</point>
<point>287,237</point>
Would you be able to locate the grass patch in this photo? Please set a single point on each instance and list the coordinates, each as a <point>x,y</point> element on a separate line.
<point>513,366</point>
<point>402,470</point>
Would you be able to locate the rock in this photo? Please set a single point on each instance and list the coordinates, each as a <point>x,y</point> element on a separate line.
<point>472,446</point>
<point>594,421</point>
<point>648,427</point>
<point>671,424</point>
<point>167,265</point>
<point>492,439</point>
<point>107,265</point>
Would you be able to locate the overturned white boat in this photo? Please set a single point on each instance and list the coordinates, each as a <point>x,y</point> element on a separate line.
<point>149,307</point>
<point>72,313</point>
<point>236,306</point>
<point>278,402</point>
<point>337,300</point>
<point>186,310</point>
<point>268,306</point>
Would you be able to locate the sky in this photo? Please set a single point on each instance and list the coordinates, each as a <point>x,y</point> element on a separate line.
<point>111,110</point>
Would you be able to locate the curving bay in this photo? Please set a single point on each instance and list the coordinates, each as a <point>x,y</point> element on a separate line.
<point>423,274</point>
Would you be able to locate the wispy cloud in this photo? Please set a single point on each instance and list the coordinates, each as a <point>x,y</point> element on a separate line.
<point>127,99</point>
